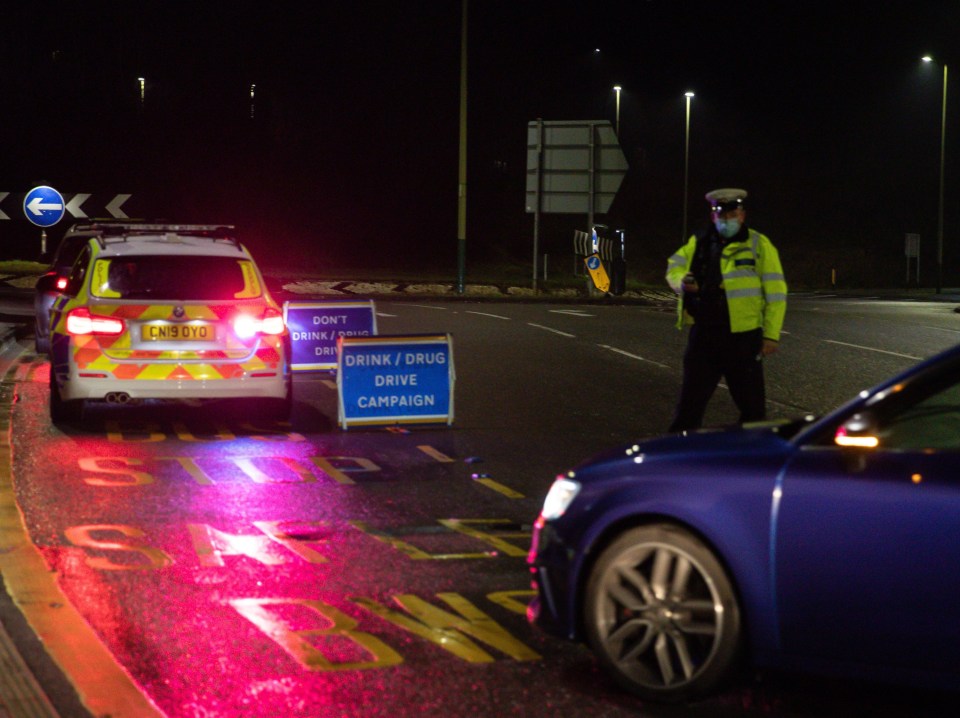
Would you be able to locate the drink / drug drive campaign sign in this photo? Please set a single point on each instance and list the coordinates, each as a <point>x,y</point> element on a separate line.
<point>395,380</point>
<point>316,326</point>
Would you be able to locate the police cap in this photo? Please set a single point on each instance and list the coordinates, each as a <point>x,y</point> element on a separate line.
<point>724,200</point>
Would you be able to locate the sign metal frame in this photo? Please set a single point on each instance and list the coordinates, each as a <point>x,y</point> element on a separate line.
<point>360,319</point>
<point>358,386</point>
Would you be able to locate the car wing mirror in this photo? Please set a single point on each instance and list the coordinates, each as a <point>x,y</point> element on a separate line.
<point>48,283</point>
<point>857,436</point>
<point>859,431</point>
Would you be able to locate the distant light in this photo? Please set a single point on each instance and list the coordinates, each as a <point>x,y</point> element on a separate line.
<point>927,58</point>
<point>688,94</point>
<point>617,88</point>
<point>597,51</point>
<point>916,478</point>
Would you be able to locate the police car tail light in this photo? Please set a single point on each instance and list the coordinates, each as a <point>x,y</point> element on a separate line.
<point>246,325</point>
<point>80,321</point>
<point>61,283</point>
<point>272,322</point>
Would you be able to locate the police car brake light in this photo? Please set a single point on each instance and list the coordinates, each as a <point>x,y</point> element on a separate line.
<point>81,322</point>
<point>61,283</point>
<point>272,322</point>
<point>246,325</point>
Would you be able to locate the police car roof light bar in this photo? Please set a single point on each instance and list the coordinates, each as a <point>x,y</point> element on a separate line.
<point>120,231</point>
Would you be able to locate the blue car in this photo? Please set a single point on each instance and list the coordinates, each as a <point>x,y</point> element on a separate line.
<point>829,545</point>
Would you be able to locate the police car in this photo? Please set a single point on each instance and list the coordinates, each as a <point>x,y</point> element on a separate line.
<point>166,312</point>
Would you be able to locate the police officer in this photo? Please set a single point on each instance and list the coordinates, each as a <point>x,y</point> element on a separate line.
<point>732,291</point>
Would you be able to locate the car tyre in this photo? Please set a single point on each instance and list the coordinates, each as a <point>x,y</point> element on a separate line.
<point>63,412</point>
<point>41,345</point>
<point>662,615</point>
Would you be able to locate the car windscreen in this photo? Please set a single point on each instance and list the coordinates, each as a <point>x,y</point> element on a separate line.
<point>183,278</point>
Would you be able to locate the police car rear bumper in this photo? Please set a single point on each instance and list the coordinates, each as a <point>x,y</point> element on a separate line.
<point>99,388</point>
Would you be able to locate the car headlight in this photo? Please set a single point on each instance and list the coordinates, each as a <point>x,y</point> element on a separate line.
<point>559,497</point>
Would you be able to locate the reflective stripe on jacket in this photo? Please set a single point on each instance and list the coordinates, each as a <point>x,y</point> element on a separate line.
<point>753,281</point>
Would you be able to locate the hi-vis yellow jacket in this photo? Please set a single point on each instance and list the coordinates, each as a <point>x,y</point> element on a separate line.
<point>753,281</point>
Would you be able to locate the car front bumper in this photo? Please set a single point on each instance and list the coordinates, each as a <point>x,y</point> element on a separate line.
<point>553,608</point>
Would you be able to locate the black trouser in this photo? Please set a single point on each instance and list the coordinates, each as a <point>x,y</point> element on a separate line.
<point>714,352</point>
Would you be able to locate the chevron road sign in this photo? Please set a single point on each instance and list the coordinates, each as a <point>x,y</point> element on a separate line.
<point>45,206</point>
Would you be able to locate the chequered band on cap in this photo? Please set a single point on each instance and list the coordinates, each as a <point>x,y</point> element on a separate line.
<point>726,198</point>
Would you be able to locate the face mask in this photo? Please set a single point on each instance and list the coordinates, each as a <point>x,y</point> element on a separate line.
<point>727,227</point>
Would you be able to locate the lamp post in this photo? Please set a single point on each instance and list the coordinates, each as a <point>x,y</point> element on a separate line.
<point>686,164</point>
<point>462,162</point>
<point>943,145</point>
<point>143,87</point>
<point>617,88</point>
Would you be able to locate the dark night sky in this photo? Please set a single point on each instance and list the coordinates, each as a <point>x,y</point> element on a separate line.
<point>822,110</point>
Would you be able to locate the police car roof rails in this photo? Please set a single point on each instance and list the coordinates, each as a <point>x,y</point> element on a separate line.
<point>119,231</point>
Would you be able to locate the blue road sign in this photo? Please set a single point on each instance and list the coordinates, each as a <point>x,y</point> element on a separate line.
<point>395,380</point>
<point>44,206</point>
<point>316,326</point>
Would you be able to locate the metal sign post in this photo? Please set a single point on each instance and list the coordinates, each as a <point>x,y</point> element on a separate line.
<point>536,215</point>
<point>912,249</point>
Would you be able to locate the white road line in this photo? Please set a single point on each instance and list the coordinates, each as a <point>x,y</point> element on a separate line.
<point>871,349</point>
<point>549,329</point>
<point>572,312</point>
<point>428,306</point>
<point>940,329</point>
<point>384,314</point>
<point>633,356</point>
<point>484,314</point>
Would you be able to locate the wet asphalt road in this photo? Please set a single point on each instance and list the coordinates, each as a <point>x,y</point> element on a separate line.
<point>237,567</point>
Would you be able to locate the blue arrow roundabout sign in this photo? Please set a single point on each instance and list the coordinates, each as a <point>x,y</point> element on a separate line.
<point>43,206</point>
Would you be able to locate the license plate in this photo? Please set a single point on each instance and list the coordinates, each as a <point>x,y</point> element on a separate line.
<point>178,332</point>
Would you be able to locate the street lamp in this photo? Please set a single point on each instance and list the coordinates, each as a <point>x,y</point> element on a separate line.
<point>617,88</point>
<point>142,82</point>
<point>686,163</point>
<point>943,145</point>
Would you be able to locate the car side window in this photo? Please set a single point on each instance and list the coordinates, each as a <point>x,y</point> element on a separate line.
<point>933,422</point>
<point>78,273</point>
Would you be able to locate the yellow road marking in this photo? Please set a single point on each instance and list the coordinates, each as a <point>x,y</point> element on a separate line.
<point>500,488</point>
<point>435,454</point>
<point>102,684</point>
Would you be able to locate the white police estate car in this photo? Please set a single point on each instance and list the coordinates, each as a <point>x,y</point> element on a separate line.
<point>166,312</point>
